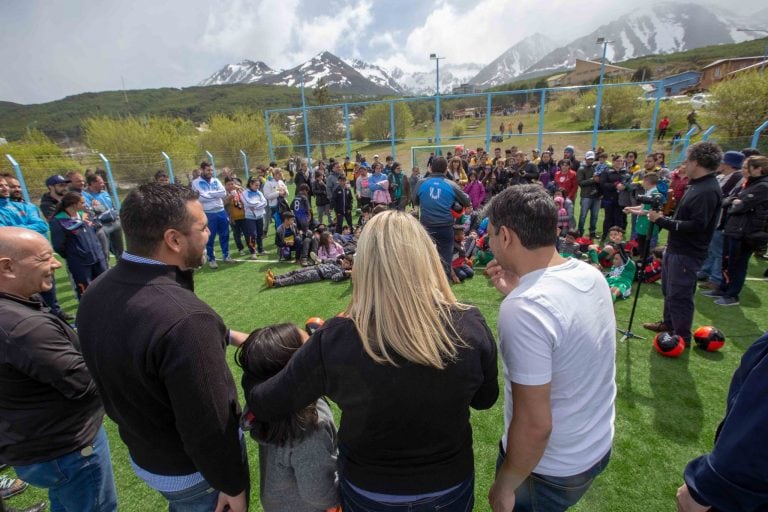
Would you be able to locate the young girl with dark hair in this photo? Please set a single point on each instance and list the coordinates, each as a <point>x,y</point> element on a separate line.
<point>297,454</point>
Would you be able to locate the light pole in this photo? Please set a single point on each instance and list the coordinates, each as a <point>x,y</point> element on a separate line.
<point>433,56</point>
<point>760,31</point>
<point>598,104</point>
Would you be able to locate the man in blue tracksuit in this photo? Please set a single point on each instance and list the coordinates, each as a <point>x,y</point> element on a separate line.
<point>212,194</point>
<point>435,196</point>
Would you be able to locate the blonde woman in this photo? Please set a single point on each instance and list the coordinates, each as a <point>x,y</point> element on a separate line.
<point>273,190</point>
<point>456,171</point>
<point>404,364</point>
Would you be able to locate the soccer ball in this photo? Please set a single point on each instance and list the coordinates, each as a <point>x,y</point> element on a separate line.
<point>668,344</point>
<point>709,338</point>
<point>313,324</point>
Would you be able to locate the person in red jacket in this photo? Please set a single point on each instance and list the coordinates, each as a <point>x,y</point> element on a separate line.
<point>565,178</point>
<point>663,126</point>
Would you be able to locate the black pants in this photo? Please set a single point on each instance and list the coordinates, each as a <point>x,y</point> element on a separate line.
<point>678,284</point>
<point>340,218</point>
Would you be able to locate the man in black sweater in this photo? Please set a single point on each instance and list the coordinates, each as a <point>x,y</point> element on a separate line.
<point>158,356</point>
<point>690,232</point>
<point>51,429</point>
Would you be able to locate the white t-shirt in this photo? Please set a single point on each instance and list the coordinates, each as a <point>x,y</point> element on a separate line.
<point>558,327</point>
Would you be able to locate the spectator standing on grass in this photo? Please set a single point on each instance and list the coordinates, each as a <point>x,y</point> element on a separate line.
<point>341,202</point>
<point>57,186</point>
<point>363,189</point>
<point>157,354</point>
<point>212,194</point>
<point>77,184</point>
<point>690,232</point>
<point>610,179</point>
<point>52,432</point>
<point>565,178</point>
<point>416,357</point>
<point>435,196</point>
<point>557,339</point>
<point>663,127</point>
<point>254,207</point>
<point>734,476</point>
<point>274,189</point>
<point>322,199</point>
<point>97,198</point>
<point>547,170</point>
<point>589,185</point>
<point>399,187</point>
<point>233,204</point>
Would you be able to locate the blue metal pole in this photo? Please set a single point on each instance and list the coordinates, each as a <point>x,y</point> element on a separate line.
<point>19,176</point>
<point>213,162</point>
<point>306,123</point>
<point>488,124</point>
<point>392,128</point>
<point>659,93</point>
<point>245,165</point>
<point>169,166</point>
<point>269,138</point>
<point>756,135</point>
<point>112,182</point>
<point>437,101</point>
<point>708,132</point>
<point>349,133</point>
<point>542,101</point>
<point>687,141</point>
<point>599,102</point>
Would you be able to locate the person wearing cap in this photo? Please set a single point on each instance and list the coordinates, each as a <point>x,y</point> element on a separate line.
<point>535,158</point>
<point>690,232</point>
<point>589,186</point>
<point>57,187</point>
<point>729,176</point>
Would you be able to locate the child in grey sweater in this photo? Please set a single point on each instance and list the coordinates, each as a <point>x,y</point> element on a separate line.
<point>297,455</point>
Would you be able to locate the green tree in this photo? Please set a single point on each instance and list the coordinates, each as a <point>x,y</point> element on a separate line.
<point>740,105</point>
<point>377,123</point>
<point>325,124</point>
<point>38,157</point>
<point>642,74</point>
<point>618,108</point>
<point>458,128</point>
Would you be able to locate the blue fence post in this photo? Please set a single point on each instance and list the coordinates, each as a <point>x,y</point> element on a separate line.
<point>269,137</point>
<point>756,135</point>
<point>659,92</point>
<point>245,165</point>
<point>488,124</point>
<point>599,102</point>
<point>213,162</point>
<point>19,176</point>
<point>112,182</point>
<point>168,165</point>
<point>686,142</point>
<point>306,124</point>
<point>542,101</point>
<point>392,128</point>
<point>708,132</point>
<point>349,134</point>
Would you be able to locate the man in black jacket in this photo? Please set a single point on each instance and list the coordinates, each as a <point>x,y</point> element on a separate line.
<point>690,232</point>
<point>341,202</point>
<point>589,184</point>
<point>158,356</point>
<point>51,429</point>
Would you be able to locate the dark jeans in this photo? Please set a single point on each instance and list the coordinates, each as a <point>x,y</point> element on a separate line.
<point>82,275</point>
<point>737,253</point>
<point>198,498</point>
<point>589,205</point>
<point>81,480</point>
<point>461,499</point>
<point>239,231</point>
<point>340,218</point>
<point>464,272</point>
<point>678,284</point>
<point>443,238</point>
<point>254,234</point>
<point>542,493</point>
<point>614,216</point>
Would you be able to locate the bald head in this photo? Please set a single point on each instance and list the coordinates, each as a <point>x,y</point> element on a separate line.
<point>27,262</point>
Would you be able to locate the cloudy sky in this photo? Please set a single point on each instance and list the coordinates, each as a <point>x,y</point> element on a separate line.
<point>54,48</point>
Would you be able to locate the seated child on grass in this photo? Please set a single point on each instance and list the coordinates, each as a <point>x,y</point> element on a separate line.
<point>568,247</point>
<point>603,258</point>
<point>460,265</point>
<point>652,269</point>
<point>297,455</point>
<point>620,276</point>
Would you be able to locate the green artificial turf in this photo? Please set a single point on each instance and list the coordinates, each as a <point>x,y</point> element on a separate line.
<point>666,409</point>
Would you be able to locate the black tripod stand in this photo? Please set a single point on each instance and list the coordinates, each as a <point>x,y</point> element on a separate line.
<point>627,333</point>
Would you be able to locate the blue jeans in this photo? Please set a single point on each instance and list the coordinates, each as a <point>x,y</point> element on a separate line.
<point>541,493</point>
<point>218,223</point>
<point>461,499</point>
<point>198,498</point>
<point>712,268</point>
<point>77,481</point>
<point>591,205</point>
<point>443,238</point>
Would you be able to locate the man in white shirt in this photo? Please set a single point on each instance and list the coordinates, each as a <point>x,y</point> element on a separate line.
<point>558,344</point>
<point>211,195</point>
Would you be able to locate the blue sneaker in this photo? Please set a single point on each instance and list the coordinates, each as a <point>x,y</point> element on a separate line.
<point>727,301</point>
<point>713,293</point>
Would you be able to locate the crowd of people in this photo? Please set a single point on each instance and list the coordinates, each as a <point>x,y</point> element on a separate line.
<point>152,356</point>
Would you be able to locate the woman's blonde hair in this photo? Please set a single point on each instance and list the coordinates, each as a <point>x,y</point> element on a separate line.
<point>758,161</point>
<point>401,299</point>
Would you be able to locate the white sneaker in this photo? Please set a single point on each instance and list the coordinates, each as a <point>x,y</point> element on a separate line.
<point>243,252</point>
<point>254,256</point>
<point>213,264</point>
<point>229,259</point>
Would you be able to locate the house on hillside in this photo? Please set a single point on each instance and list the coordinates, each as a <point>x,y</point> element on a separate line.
<point>465,89</point>
<point>725,68</point>
<point>588,71</point>
<point>674,85</point>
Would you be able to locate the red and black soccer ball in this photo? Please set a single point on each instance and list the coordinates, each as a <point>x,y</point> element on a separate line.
<point>668,344</point>
<point>709,338</point>
<point>313,324</point>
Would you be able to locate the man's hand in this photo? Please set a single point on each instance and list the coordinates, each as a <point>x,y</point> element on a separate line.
<point>502,494</point>
<point>685,503</point>
<point>504,280</point>
<point>237,338</point>
<point>237,503</point>
<point>653,215</point>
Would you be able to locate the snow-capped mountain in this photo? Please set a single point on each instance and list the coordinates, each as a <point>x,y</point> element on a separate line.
<point>653,29</point>
<point>243,72</point>
<point>376,74</point>
<point>422,83</point>
<point>514,61</point>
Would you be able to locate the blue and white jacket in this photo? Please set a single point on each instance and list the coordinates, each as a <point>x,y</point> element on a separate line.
<point>212,194</point>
